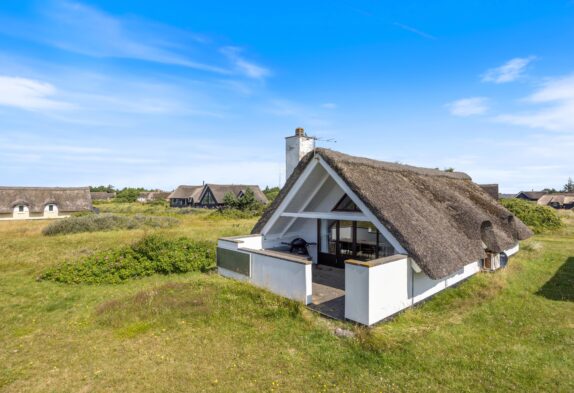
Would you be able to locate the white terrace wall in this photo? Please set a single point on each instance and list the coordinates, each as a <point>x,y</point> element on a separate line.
<point>281,275</point>
<point>377,289</point>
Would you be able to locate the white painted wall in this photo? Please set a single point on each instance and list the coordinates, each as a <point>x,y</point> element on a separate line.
<point>295,149</point>
<point>513,250</point>
<point>374,293</point>
<point>21,215</point>
<point>285,278</point>
<point>51,214</point>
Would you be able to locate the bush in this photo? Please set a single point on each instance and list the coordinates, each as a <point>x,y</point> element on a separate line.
<point>538,218</point>
<point>153,254</point>
<point>233,214</point>
<point>105,222</point>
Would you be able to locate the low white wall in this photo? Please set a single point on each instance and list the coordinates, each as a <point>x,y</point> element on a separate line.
<point>283,277</point>
<point>373,293</point>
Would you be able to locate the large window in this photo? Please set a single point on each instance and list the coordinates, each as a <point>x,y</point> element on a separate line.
<point>208,199</point>
<point>341,240</point>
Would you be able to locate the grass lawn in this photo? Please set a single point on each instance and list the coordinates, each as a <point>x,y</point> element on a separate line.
<point>507,331</point>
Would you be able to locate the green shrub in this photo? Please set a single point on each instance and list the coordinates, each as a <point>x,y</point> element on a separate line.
<point>225,214</point>
<point>106,222</point>
<point>538,218</point>
<point>153,254</point>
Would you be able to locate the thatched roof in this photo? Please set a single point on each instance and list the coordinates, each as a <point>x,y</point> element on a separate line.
<point>559,198</point>
<point>185,192</point>
<point>531,195</point>
<point>491,189</point>
<point>440,218</point>
<point>219,191</point>
<point>71,199</point>
<point>102,195</point>
<point>154,195</point>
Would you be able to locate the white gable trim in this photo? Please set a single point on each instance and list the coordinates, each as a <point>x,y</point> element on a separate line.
<point>386,233</point>
<point>317,160</point>
<point>306,203</point>
<point>290,195</point>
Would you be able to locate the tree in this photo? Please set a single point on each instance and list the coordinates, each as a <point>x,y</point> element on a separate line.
<point>569,186</point>
<point>245,202</point>
<point>129,194</point>
<point>271,193</point>
<point>108,188</point>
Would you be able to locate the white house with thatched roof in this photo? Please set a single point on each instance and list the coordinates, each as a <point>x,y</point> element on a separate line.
<point>26,203</point>
<point>362,239</point>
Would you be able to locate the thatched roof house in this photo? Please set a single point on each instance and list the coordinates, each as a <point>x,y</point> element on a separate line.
<point>491,189</point>
<point>391,235</point>
<point>530,195</point>
<point>557,200</point>
<point>440,218</point>
<point>211,195</point>
<point>43,202</point>
<point>102,195</point>
<point>150,196</point>
<point>214,194</point>
<point>185,196</point>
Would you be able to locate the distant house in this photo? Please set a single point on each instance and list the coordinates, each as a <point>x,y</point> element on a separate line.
<point>557,200</point>
<point>491,189</point>
<point>102,196</point>
<point>19,203</point>
<point>360,239</point>
<point>213,195</point>
<point>185,196</point>
<point>532,196</point>
<point>150,196</point>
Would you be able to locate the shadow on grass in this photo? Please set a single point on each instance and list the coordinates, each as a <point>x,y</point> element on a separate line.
<point>561,285</point>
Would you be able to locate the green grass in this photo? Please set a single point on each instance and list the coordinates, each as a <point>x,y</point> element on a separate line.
<point>507,331</point>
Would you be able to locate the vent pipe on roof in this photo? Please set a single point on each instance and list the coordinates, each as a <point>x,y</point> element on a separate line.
<point>296,147</point>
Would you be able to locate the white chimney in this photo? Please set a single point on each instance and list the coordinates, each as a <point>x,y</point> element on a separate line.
<point>296,147</point>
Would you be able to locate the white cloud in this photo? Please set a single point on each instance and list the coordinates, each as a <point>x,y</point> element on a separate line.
<point>468,106</point>
<point>416,31</point>
<point>245,67</point>
<point>557,114</point>
<point>79,28</point>
<point>29,94</point>
<point>509,71</point>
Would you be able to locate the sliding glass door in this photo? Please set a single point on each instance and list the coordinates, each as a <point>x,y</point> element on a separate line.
<point>341,240</point>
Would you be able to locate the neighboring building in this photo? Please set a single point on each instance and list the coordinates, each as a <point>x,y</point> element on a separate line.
<point>102,196</point>
<point>491,189</point>
<point>505,196</point>
<point>360,239</point>
<point>185,196</point>
<point>18,203</point>
<point>150,196</point>
<point>213,194</point>
<point>557,200</point>
<point>532,196</point>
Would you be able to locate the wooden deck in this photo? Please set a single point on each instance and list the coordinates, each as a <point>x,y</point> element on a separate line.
<point>329,291</point>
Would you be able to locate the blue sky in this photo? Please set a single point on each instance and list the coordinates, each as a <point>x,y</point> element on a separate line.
<point>156,94</point>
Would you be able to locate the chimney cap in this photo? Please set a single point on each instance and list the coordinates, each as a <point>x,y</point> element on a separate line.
<point>299,131</point>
